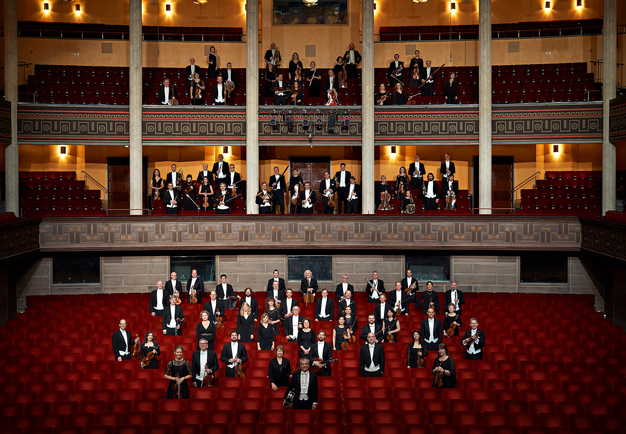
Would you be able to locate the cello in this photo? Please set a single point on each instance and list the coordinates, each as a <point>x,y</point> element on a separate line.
<point>332,97</point>
<point>385,197</point>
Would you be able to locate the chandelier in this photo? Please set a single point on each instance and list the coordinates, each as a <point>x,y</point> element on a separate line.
<point>309,2</point>
<point>200,2</point>
<point>420,1</point>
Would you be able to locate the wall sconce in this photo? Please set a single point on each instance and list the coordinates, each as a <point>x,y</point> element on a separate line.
<point>579,4</point>
<point>77,9</point>
<point>374,5</point>
<point>555,149</point>
<point>168,8</point>
<point>225,150</point>
<point>46,7</point>
<point>547,5</point>
<point>63,150</point>
<point>453,6</point>
<point>393,150</point>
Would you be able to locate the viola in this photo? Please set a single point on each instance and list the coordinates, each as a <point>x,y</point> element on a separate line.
<point>439,379</point>
<point>239,369</point>
<point>210,378</point>
<point>205,201</point>
<point>451,330</point>
<point>146,360</point>
<point>220,323</point>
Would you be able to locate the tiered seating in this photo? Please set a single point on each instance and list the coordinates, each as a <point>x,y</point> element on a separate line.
<point>621,185</point>
<point>616,216</point>
<point>58,194</point>
<point>463,204</point>
<point>535,378</point>
<point>569,193</point>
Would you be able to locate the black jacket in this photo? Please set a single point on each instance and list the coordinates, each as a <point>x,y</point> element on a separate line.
<point>162,100</point>
<point>405,284</point>
<point>366,360</point>
<point>449,300</point>
<point>437,332</point>
<point>392,67</point>
<point>236,178</point>
<point>327,85</point>
<point>254,306</point>
<point>216,166</point>
<point>357,190</point>
<point>333,187</point>
<point>188,71</point>
<point>233,76</point>
<point>377,312</point>
<point>283,306</point>
<point>288,324</point>
<point>424,73</point>
<point>369,290</point>
<point>342,306</point>
<point>412,169</point>
<point>268,56</point>
<point>201,177</point>
<point>294,385</point>
<point>326,356</point>
<point>403,301</point>
<point>195,364</point>
<point>443,168</point>
<point>281,285</point>
<point>168,288</point>
<point>153,299</point>
<point>167,198</point>
<point>477,345</point>
<point>455,188</point>
<point>378,326</point>
<point>227,353</point>
<point>347,177</point>
<point>330,309</point>
<point>435,187</point>
<point>304,285</point>
<point>120,345</point>
<point>219,305</point>
<point>280,182</point>
<point>216,93</point>
<point>178,315</point>
<point>199,287</point>
<point>312,196</point>
<point>357,57</point>
<point>230,292</point>
<point>168,179</point>
<point>424,299</point>
<point>339,290</point>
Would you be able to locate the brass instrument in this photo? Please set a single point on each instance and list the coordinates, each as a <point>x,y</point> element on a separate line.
<point>410,208</point>
<point>179,178</point>
<point>229,86</point>
<point>267,195</point>
<point>424,188</point>
<point>276,57</point>
<point>289,399</point>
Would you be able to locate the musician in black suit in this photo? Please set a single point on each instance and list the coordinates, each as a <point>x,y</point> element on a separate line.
<point>192,69</point>
<point>347,301</point>
<point>215,307</point>
<point>330,83</point>
<point>172,318</point>
<point>429,83</point>
<point>416,172</point>
<point>279,280</point>
<point>279,191</point>
<point>455,296</point>
<point>308,198</point>
<point>308,284</point>
<point>431,330</point>
<point>158,300</point>
<point>304,385</point>
<point>174,177</point>
<point>173,286</point>
<point>228,74</point>
<point>343,180</point>
<point>447,168</point>
<point>322,350</point>
<point>252,302</point>
<point>276,293</point>
<point>410,280</point>
<point>232,178</point>
<point>171,198</point>
<point>343,287</point>
<point>167,95</point>
<point>327,189</point>
<point>398,299</point>
<point>220,170</point>
<point>374,288</point>
<point>372,358</point>
<point>225,291</point>
<point>427,299</point>
<point>450,188</point>
<point>352,58</point>
<point>222,200</point>
<point>197,284</point>
<point>293,323</point>
<point>280,92</point>
<point>416,63</point>
<point>233,353</point>
<point>431,197</point>
<point>199,361</point>
<point>474,348</point>
<point>219,92</point>
<point>396,66</point>
<point>264,199</point>
<point>371,327</point>
<point>123,343</point>
<point>380,309</point>
<point>272,55</point>
<point>353,193</point>
<point>205,173</point>
<point>324,308</point>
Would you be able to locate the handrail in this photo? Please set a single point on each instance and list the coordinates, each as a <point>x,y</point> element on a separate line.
<point>104,191</point>
<point>523,183</point>
<point>94,180</point>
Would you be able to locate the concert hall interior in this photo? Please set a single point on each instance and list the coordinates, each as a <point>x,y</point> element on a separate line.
<point>313,217</point>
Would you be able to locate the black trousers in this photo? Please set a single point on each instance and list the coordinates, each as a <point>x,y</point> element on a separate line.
<point>431,346</point>
<point>158,312</point>
<point>430,203</point>
<point>353,206</point>
<point>280,100</point>
<point>126,357</point>
<point>416,183</point>
<point>478,356</point>
<point>278,199</point>
<point>342,195</point>
<point>306,210</point>
<point>222,211</point>
<point>218,103</point>
<point>171,210</point>
<point>451,100</point>
<point>327,209</point>
<point>302,405</point>
<point>428,89</point>
<point>265,209</point>
<point>294,209</point>
<point>351,70</point>
<point>372,374</point>
<point>172,331</point>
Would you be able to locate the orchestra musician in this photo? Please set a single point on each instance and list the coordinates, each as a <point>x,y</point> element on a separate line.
<point>410,280</point>
<point>314,78</point>
<point>416,66</point>
<point>351,321</point>
<point>156,184</point>
<point>233,354</point>
<point>206,190</point>
<point>225,292</point>
<point>398,299</point>
<point>391,325</point>
<point>221,200</point>
<point>252,302</point>
<point>270,79</point>
<point>279,369</point>
<point>288,303</point>
<point>197,88</point>
<point>382,97</point>
<point>296,184</point>
<point>399,96</point>
<point>338,333</point>
<point>428,299</point>
<point>220,168</point>
<point>215,307</point>
<point>451,318</point>
<point>306,339</point>
<point>122,342</point>
<point>340,291</point>
<point>330,82</point>
<point>281,285</point>
<point>308,198</point>
<point>228,74</point>
<point>292,324</point>
<point>417,170</point>
<point>192,69</point>
<point>324,308</point>
<point>172,318</point>
<point>327,189</point>
<point>167,94</point>
<point>199,360</point>
<point>381,188</point>
<point>279,191</point>
<point>173,286</point>
<point>347,302</point>
<point>158,299</point>
<point>372,358</point>
<point>205,173</point>
<point>245,323</point>
<point>174,178</point>
<point>148,346</point>
<point>451,90</point>
<point>308,284</point>
<point>396,67</point>
<point>455,296</point>
<point>178,371</point>
<point>263,199</point>
<point>445,364</point>
<point>415,348</point>
<point>233,178</point>
<point>280,97</point>
<point>352,196</point>
<point>190,198</point>
<point>451,188</point>
<point>447,168</point>
<point>272,56</point>
<point>304,385</point>
<point>297,95</point>
<point>374,288</point>
<point>295,68</point>
<point>195,285</point>
<point>431,198</point>
<point>265,334</point>
<point>474,345</point>
<point>352,58</point>
<point>429,83</point>
<point>406,200</point>
<point>205,330</point>
<point>343,179</point>
<point>322,350</point>
<point>372,327</point>
<point>271,309</point>
<point>219,92</point>
<point>380,311</point>
<point>402,179</point>
<point>212,62</point>
<point>432,331</point>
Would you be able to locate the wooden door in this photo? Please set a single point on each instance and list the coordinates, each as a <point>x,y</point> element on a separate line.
<point>502,183</point>
<point>119,184</point>
<point>312,170</point>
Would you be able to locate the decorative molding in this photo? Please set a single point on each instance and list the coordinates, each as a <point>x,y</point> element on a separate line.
<point>19,237</point>
<point>604,237</point>
<point>5,122</point>
<point>617,119</point>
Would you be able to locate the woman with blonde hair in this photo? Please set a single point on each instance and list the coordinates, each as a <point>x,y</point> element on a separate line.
<point>245,323</point>
<point>265,334</point>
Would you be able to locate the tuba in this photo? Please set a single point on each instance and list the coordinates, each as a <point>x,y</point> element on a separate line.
<point>179,181</point>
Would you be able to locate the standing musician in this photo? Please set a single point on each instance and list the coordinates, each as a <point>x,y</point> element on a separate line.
<point>322,350</point>
<point>220,169</point>
<point>228,74</point>
<point>451,318</point>
<point>297,95</point>
<point>148,346</point>
<point>272,56</point>
<point>156,184</point>
<point>398,299</point>
<point>173,286</point>
<point>233,354</point>
<point>338,333</point>
<point>415,67</point>
<point>447,168</point>
<point>271,309</point>
<point>372,358</point>
<point>233,178</point>
<point>308,284</point>
<point>352,58</point>
<point>347,302</point>
<point>219,92</point>
<point>280,97</point>
<point>391,325</point>
<point>292,324</point>
<point>265,333</point>
<point>417,170</point>
<point>399,96</point>
<point>286,307</point>
<point>212,62</point>
<point>295,69</point>
<point>206,190</point>
<point>203,363</point>
<point>415,348</point>
<point>304,385</point>
<point>327,189</point>
<point>196,90</point>
<point>402,182</point>
<point>381,188</point>
<point>178,371</point>
<point>351,321</point>
<point>252,302</point>
<point>396,68</point>
<point>174,178</point>
<point>330,82</point>
<point>431,193</point>
<point>296,184</point>
<point>195,285</point>
<point>281,284</point>
<point>270,79</point>
<point>158,299</point>
<point>279,191</point>
<point>455,296</point>
<point>474,341</point>
<point>189,190</point>
<point>122,340</point>
<point>170,199</point>
<point>428,299</point>
<point>172,318</point>
<point>410,280</point>
<point>371,327</point>
<point>314,78</point>
<point>263,199</point>
<point>374,288</point>
<point>306,338</point>
<point>340,291</point>
<point>382,97</point>
<point>380,311</point>
<point>205,329</point>
<point>451,188</point>
<point>205,173</point>
<point>308,198</point>
<point>225,291</point>
<point>215,307</point>
<point>221,200</point>
<point>192,69</point>
<point>444,364</point>
<point>352,196</point>
<point>432,331</point>
<point>339,67</point>
<point>279,369</point>
<point>451,90</point>
<point>429,83</point>
<point>324,308</point>
<point>343,179</point>
<point>167,95</point>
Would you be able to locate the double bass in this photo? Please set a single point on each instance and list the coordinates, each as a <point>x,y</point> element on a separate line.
<point>385,197</point>
<point>332,97</point>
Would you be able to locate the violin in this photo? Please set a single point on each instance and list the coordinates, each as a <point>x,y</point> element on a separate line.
<point>210,378</point>
<point>402,190</point>
<point>317,369</point>
<point>342,76</point>
<point>205,201</point>
<point>189,188</point>
<point>194,299</point>
<point>451,330</point>
<point>198,93</point>
<point>411,288</point>
<point>332,97</point>
<point>439,379</point>
<point>146,360</point>
<point>331,198</point>
<point>178,300</point>
<point>298,74</point>
<point>382,99</point>
<point>136,348</point>
<point>420,360</point>
<point>385,197</point>
<point>219,323</point>
<point>391,338</point>
<point>239,369</point>
<point>416,73</point>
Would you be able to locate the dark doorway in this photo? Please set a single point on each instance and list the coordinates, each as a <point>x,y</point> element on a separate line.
<point>312,170</point>
<point>501,184</point>
<point>119,184</point>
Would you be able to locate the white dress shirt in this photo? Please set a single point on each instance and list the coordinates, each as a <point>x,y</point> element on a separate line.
<point>304,385</point>
<point>352,59</point>
<point>428,68</point>
<point>159,297</point>
<point>429,192</point>
<point>375,295</point>
<point>172,197</point>
<point>472,349</point>
<point>288,302</point>
<point>342,178</point>
<point>382,311</point>
<point>193,282</point>
<point>234,348</point>
<point>166,92</point>
<point>280,93</point>
<point>220,168</point>
<point>323,308</point>
<point>305,202</point>
<point>203,361</point>
<point>399,298</point>
<point>320,349</point>
<point>431,325</point>
<point>172,323</point>
<point>224,286</point>
<point>277,177</point>
<point>372,367</point>
<point>344,288</point>
<point>220,94</point>
<point>214,305</point>
<point>331,80</point>
<point>454,296</point>
<point>350,192</point>
<point>124,352</point>
<point>295,321</point>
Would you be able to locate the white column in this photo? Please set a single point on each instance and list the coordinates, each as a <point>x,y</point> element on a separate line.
<point>252,106</point>
<point>11,153</point>
<point>608,93</point>
<point>367,91</point>
<point>484,106</point>
<point>135,108</point>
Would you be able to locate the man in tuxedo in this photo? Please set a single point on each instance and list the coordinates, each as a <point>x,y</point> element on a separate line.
<point>293,324</point>
<point>286,306</point>
<point>347,301</point>
<point>455,297</point>
<point>233,178</point>
<point>199,361</point>
<point>447,168</point>
<point>343,179</point>
<point>219,92</point>
<point>451,188</point>
<point>352,58</point>
<point>220,169</point>
<point>192,69</point>
<point>410,280</point>
<point>166,93</point>
<point>429,83</point>
<point>158,299</point>
<point>308,284</point>
<point>270,54</point>
<point>374,288</point>
<point>417,171</point>
<point>344,286</point>
<point>122,343</point>
<point>308,198</point>
<point>380,311</point>
<point>431,331</point>
<point>276,293</point>
<point>196,284</point>
<point>322,350</point>
<point>205,173</point>
<point>280,95</point>
<point>324,308</point>
<point>276,278</point>
<point>428,299</point>
<point>171,198</point>
<point>396,67</point>
<point>372,358</point>
<point>264,200</point>
<point>224,291</point>
<point>304,385</point>
<point>233,354</point>
<point>172,318</point>
<point>279,191</point>
<point>215,307</point>
<point>371,327</point>
<point>174,178</point>
<point>353,192</point>
<point>228,74</point>
<point>221,200</point>
<point>330,83</point>
<point>431,198</point>
<point>327,189</point>
<point>173,286</point>
<point>398,299</point>
<point>474,345</point>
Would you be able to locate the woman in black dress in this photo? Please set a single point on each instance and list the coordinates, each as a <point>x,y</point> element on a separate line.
<point>391,325</point>
<point>295,181</point>
<point>189,189</point>
<point>444,364</point>
<point>156,184</point>
<point>382,96</point>
<point>340,68</point>
<point>206,329</point>
<point>449,319</point>
<point>306,339</point>
<point>416,65</point>
<point>178,371</point>
<point>295,69</point>
<point>399,96</point>
<point>211,60</point>
<point>272,311</point>
<point>451,90</point>
<point>350,320</point>
<point>382,188</point>
<point>197,89</point>
<point>414,349</point>
<point>314,78</point>
<point>406,200</point>
<point>403,179</point>
<point>245,323</point>
<point>149,346</point>
<point>279,369</point>
<point>206,190</point>
<point>270,79</point>
<point>265,334</point>
<point>338,332</point>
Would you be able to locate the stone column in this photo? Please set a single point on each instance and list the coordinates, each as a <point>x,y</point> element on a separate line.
<point>135,107</point>
<point>608,93</point>
<point>11,153</point>
<point>367,90</point>
<point>252,106</point>
<point>484,106</point>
